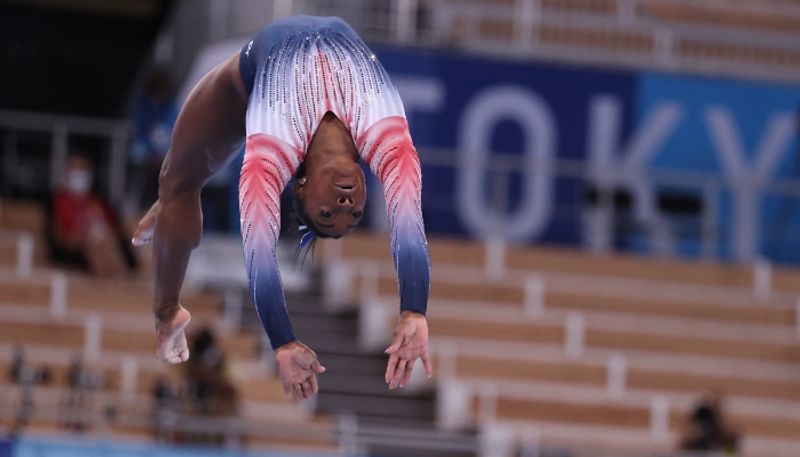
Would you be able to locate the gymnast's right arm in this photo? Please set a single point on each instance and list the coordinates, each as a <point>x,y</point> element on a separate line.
<point>208,133</point>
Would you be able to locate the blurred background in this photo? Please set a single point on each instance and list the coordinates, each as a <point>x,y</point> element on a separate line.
<point>611,193</point>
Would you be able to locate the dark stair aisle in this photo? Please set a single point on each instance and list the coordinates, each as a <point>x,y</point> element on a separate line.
<point>354,385</point>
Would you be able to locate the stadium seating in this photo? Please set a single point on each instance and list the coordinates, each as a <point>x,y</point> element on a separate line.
<point>701,36</point>
<point>52,335</point>
<point>680,328</point>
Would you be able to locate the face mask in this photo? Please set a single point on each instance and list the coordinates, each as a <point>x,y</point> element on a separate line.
<point>79,182</point>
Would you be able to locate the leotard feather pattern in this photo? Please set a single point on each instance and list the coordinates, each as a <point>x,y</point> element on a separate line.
<point>297,70</point>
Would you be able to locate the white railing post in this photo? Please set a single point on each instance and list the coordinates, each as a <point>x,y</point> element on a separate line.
<point>495,257</point>
<point>487,403</point>
<point>218,16</point>
<point>664,45</point>
<point>446,360</point>
<point>762,280</point>
<point>232,308</point>
<point>58,295</point>
<point>348,434</point>
<point>534,296</point>
<point>370,281</point>
<point>24,255</point>
<point>405,13</point>
<point>92,337</point>
<point>531,442</point>
<point>337,282</point>
<point>281,9</point>
<point>616,368</point>
<point>129,377</point>
<point>496,441</point>
<point>574,338</point>
<point>659,418</point>
<point>526,12</point>
<point>374,324</point>
<point>452,405</point>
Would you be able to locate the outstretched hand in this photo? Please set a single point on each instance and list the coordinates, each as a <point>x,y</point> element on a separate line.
<point>298,367</point>
<point>409,343</point>
<point>144,231</point>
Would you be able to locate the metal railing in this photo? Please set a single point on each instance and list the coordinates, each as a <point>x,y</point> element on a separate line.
<point>640,41</point>
<point>711,188</point>
<point>58,129</point>
<point>643,38</point>
<point>351,438</point>
<point>233,429</point>
<point>646,220</point>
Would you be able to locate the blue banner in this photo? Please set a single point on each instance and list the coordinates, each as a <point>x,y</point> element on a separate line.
<point>627,127</point>
<point>6,448</point>
<point>744,134</point>
<point>494,108</point>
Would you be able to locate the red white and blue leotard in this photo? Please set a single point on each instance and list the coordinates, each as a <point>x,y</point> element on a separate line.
<point>296,70</point>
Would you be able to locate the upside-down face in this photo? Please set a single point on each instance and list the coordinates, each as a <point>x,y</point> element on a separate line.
<point>332,193</point>
<point>333,198</point>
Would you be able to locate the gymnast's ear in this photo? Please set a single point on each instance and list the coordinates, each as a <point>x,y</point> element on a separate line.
<point>299,186</point>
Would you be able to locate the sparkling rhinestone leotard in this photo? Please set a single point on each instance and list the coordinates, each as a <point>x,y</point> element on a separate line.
<point>296,70</point>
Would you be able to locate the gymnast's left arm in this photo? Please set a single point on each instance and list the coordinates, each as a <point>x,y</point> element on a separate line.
<point>388,150</point>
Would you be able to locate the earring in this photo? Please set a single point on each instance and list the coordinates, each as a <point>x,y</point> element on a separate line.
<point>303,181</point>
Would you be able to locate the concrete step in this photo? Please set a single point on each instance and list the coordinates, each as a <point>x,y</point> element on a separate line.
<point>367,407</point>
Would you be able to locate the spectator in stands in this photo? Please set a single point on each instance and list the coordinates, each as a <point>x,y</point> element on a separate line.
<point>206,373</point>
<point>210,390</point>
<point>84,230</point>
<point>26,378</point>
<point>17,366</point>
<point>20,373</point>
<point>707,428</point>
<point>165,410</point>
<point>154,116</point>
<point>76,401</point>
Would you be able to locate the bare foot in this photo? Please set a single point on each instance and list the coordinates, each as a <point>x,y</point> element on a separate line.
<point>171,339</point>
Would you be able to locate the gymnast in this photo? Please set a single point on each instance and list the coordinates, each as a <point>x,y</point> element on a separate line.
<point>309,100</point>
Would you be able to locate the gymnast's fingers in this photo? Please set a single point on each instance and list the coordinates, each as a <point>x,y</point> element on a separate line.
<point>397,343</point>
<point>317,367</point>
<point>391,367</point>
<point>298,391</point>
<point>313,382</point>
<point>407,373</point>
<point>305,389</point>
<point>398,374</point>
<point>426,361</point>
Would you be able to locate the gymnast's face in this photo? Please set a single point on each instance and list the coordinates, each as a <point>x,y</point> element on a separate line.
<point>333,196</point>
<point>332,193</point>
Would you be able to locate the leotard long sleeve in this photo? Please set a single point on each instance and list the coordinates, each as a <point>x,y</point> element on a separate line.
<point>296,70</point>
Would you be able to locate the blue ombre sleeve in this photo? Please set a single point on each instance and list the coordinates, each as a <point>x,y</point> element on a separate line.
<point>388,150</point>
<point>268,166</point>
